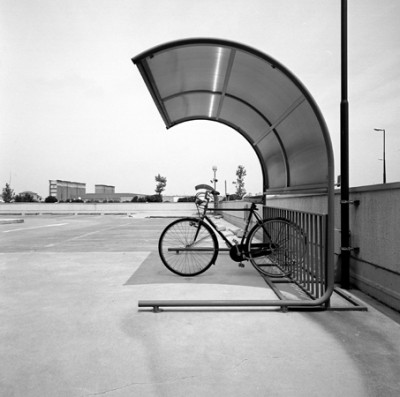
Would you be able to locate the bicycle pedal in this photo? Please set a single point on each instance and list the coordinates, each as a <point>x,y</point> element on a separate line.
<point>241,264</point>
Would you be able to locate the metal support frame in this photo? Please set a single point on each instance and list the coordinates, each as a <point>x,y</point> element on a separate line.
<point>284,306</point>
<point>325,185</point>
<point>344,156</point>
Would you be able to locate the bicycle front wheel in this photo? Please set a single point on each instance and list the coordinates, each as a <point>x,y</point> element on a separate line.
<point>276,247</point>
<point>188,247</point>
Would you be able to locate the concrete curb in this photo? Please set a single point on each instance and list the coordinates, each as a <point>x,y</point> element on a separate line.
<point>8,221</point>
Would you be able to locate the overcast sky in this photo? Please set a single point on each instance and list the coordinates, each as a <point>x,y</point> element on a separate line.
<point>74,107</point>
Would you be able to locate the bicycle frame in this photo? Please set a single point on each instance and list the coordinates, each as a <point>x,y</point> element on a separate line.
<point>252,212</point>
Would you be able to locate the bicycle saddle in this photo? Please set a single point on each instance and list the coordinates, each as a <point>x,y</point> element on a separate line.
<point>207,187</point>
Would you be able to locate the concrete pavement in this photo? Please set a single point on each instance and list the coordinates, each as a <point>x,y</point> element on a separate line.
<point>71,325</point>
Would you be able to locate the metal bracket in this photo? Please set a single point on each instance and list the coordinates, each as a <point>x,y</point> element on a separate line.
<point>354,202</point>
<point>355,249</point>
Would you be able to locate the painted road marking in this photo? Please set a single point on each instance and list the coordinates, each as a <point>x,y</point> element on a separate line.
<point>34,227</point>
<point>83,235</point>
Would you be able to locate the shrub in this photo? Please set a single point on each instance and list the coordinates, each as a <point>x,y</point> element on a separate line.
<point>155,198</point>
<point>50,199</point>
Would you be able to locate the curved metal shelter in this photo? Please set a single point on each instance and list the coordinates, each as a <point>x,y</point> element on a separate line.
<point>251,92</point>
<point>241,87</point>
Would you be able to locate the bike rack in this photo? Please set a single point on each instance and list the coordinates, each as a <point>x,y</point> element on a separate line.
<point>313,279</point>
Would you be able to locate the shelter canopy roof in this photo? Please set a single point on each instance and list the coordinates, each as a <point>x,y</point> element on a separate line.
<point>227,82</point>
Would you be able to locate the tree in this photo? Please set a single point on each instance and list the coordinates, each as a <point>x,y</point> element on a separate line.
<point>24,198</point>
<point>8,194</point>
<point>161,183</point>
<point>240,174</point>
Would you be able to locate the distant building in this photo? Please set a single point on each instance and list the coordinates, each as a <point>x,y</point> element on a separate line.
<point>106,189</point>
<point>66,190</point>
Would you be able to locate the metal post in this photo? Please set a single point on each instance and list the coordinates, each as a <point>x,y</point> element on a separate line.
<point>384,152</point>
<point>384,156</point>
<point>344,157</point>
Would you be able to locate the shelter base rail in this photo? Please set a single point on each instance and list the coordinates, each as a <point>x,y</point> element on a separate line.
<point>284,306</point>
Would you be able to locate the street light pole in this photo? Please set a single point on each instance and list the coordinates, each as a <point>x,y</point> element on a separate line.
<point>214,168</point>
<point>384,151</point>
<point>215,180</point>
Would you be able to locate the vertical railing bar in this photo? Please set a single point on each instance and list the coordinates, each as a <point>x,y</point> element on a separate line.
<point>326,262</point>
<point>309,259</point>
<point>301,225</point>
<point>311,266</point>
<point>311,243</point>
<point>301,265</point>
<point>319,264</point>
<point>322,265</point>
<point>304,229</point>
<point>323,259</point>
<point>317,261</point>
<point>315,264</point>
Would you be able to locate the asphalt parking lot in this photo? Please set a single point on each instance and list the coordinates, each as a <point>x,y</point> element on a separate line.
<point>71,326</point>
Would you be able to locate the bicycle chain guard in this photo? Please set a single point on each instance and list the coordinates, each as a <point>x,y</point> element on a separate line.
<point>237,253</point>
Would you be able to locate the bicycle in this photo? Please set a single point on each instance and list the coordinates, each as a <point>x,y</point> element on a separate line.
<point>189,246</point>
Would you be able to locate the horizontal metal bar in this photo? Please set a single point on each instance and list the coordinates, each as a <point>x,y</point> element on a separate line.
<point>229,303</point>
<point>185,249</point>
<point>349,298</point>
<point>302,189</point>
<point>354,202</point>
<point>230,209</point>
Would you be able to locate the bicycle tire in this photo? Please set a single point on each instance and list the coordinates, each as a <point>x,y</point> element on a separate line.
<point>276,246</point>
<point>181,254</point>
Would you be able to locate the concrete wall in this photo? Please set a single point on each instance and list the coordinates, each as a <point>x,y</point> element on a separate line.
<point>237,218</point>
<point>375,230</point>
<point>152,209</point>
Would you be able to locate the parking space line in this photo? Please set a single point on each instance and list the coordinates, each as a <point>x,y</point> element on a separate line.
<point>33,227</point>
<point>82,235</point>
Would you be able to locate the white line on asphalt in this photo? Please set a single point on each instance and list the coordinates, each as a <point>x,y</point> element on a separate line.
<point>83,235</point>
<point>34,227</point>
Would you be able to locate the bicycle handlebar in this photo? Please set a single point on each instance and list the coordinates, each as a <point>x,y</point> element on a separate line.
<point>207,187</point>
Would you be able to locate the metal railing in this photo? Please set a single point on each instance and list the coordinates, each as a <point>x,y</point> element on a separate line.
<point>311,274</point>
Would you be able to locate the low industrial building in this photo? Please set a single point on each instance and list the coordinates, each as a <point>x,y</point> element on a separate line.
<point>66,190</point>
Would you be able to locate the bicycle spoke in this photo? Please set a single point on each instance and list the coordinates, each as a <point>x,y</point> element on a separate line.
<point>188,247</point>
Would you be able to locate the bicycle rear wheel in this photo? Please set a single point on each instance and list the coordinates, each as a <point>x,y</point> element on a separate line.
<point>188,247</point>
<point>276,247</point>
